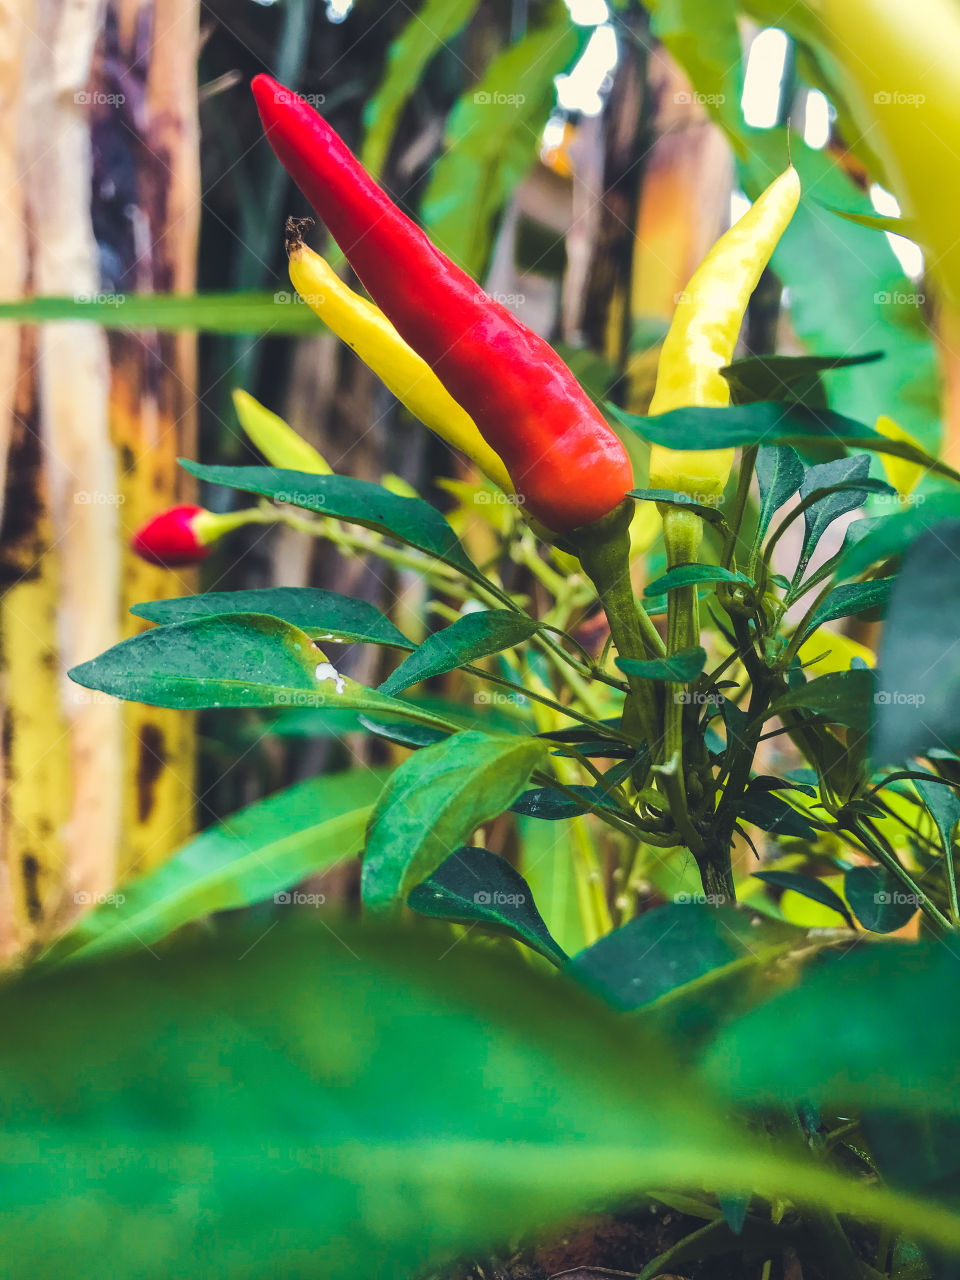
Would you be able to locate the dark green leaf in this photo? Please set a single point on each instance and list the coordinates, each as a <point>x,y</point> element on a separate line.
<point>767,423</point>
<point>779,475</point>
<point>256,854</point>
<point>918,694</point>
<point>855,597</point>
<point>682,667</point>
<point>477,886</point>
<point>687,575</point>
<point>326,615</point>
<point>238,660</point>
<point>878,900</point>
<point>665,948</point>
<point>434,802</point>
<point>943,805</point>
<point>841,697</point>
<point>809,887</point>
<point>843,479</point>
<point>768,812</point>
<point>888,536</point>
<point>675,499</point>
<point>475,635</point>
<point>792,379</point>
<point>408,520</point>
<point>234,313</point>
<point>552,806</point>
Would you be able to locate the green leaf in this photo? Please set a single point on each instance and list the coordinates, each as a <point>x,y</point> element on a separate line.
<point>239,660</point>
<point>879,222</point>
<point>768,812</point>
<point>254,855</point>
<point>327,615</point>
<point>889,536</point>
<point>245,1101</point>
<point>918,695</point>
<point>492,141</point>
<point>791,379</point>
<point>681,667</point>
<point>550,805</point>
<point>846,484</point>
<point>856,597</point>
<point>768,423</point>
<point>840,697</point>
<point>687,575</point>
<point>475,635</point>
<point>943,805</point>
<point>809,887</point>
<point>434,803</point>
<point>476,886</point>
<point>675,499</point>
<point>409,56</point>
<point>869,1027</point>
<point>779,475</point>
<point>877,899</point>
<point>667,947</point>
<point>408,520</point>
<point>278,314</point>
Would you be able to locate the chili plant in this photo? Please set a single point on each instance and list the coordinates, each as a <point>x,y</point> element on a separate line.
<point>720,702</point>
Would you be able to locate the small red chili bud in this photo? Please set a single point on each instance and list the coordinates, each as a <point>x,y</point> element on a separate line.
<point>172,538</point>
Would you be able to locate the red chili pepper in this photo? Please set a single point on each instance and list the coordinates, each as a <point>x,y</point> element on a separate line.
<point>172,538</point>
<point>566,463</point>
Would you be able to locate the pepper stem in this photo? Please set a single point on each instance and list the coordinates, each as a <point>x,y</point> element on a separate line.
<point>603,549</point>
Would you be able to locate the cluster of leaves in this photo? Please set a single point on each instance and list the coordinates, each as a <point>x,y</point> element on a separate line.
<point>862,830</point>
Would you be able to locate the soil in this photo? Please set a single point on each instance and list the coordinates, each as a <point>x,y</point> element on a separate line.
<point>618,1248</point>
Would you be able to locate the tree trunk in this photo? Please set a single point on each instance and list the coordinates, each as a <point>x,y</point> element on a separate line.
<point>103,130</point>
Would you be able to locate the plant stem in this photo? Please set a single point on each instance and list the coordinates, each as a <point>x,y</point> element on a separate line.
<point>748,461</point>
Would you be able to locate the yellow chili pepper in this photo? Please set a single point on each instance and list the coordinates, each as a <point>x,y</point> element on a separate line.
<point>365,329</point>
<point>276,439</point>
<point>903,474</point>
<point>704,331</point>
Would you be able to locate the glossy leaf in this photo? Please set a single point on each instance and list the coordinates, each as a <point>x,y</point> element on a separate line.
<point>768,812</point>
<point>878,899</point>
<point>768,422</point>
<point>475,635</point>
<point>433,804</point>
<point>274,1085</point>
<point>550,805</point>
<point>667,947</point>
<point>943,805</point>
<point>809,887</point>
<point>779,475</point>
<point>844,492</point>
<point>681,667</point>
<point>477,886</point>
<point>687,575</point>
<point>326,615</point>
<point>674,499</point>
<point>239,660</point>
<point>850,599</point>
<point>840,697</point>
<point>408,520</point>
<point>918,697</point>
<point>254,855</point>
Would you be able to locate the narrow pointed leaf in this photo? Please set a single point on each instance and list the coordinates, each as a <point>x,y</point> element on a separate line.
<point>475,635</point>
